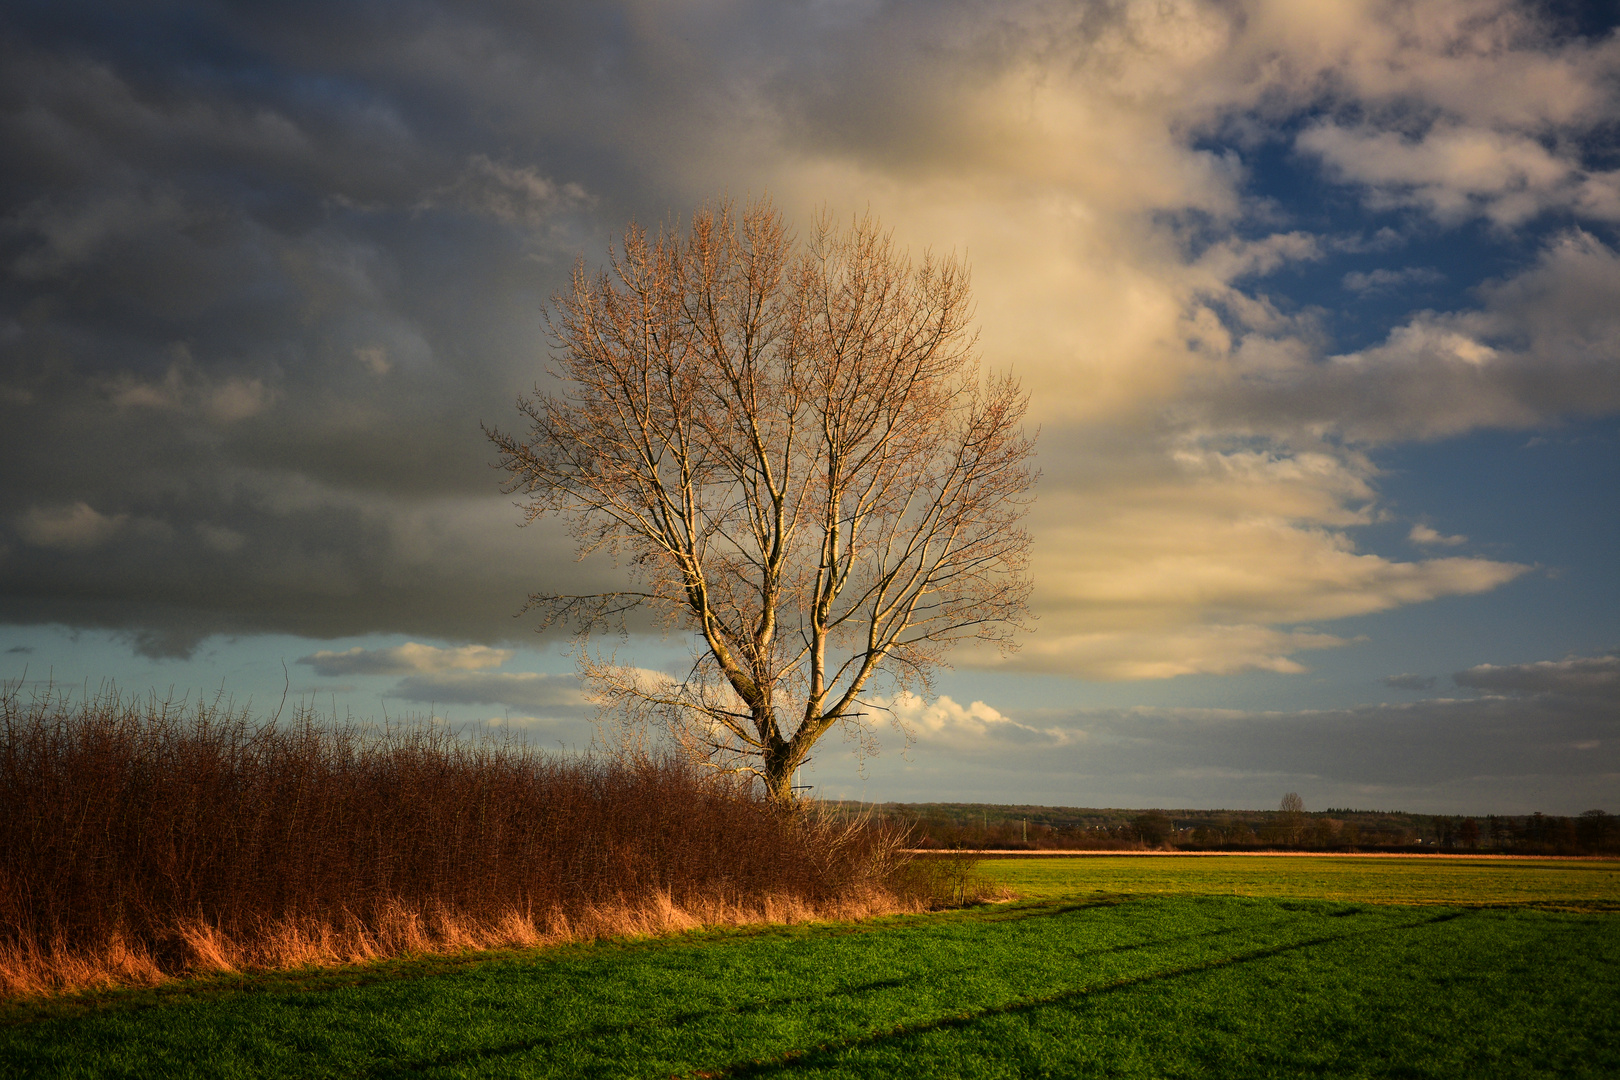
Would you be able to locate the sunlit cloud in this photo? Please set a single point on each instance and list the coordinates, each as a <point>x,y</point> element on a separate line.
<point>944,720</point>
<point>1244,256</point>
<point>1191,566</point>
<point>1176,649</point>
<point>288,312</point>
<point>520,690</point>
<point>75,527</point>
<point>221,401</point>
<point>1428,536</point>
<point>1498,753</point>
<point>409,657</point>
<point>1456,173</point>
<point>1541,346</point>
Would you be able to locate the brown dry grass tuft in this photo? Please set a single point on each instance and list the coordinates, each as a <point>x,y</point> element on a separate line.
<point>142,840</point>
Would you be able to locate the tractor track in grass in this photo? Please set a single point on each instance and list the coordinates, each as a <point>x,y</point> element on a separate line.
<point>1128,982</point>
<point>824,1053</point>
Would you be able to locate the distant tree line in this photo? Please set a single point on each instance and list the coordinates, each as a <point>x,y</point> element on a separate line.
<point>1046,828</point>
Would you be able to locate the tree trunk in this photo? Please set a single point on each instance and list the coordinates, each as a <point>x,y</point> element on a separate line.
<point>779,765</point>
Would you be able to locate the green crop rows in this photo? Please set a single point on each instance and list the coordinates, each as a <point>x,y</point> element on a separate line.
<point>1581,884</point>
<point>1141,980</point>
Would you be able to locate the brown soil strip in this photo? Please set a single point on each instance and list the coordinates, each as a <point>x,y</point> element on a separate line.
<point>994,853</point>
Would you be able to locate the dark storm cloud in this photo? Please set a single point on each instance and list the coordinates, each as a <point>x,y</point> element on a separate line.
<point>1410,682</point>
<point>1586,677</point>
<point>1436,741</point>
<point>1493,754</point>
<point>257,291</point>
<point>265,267</point>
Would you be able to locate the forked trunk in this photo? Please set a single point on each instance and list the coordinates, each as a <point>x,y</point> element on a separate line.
<point>778,774</point>
<point>724,396</point>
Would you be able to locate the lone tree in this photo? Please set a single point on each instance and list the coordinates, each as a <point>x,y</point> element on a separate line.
<point>1291,818</point>
<point>793,453</point>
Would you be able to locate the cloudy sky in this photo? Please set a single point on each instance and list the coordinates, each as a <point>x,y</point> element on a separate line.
<point>1318,302</point>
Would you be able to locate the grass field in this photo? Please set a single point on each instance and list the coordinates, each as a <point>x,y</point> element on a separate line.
<point>1143,979</point>
<point>1578,884</point>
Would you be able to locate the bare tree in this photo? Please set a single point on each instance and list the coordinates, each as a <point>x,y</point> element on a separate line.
<point>1291,818</point>
<point>793,452</point>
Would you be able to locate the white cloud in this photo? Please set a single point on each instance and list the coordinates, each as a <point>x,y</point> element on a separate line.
<point>1542,346</point>
<point>521,690</point>
<point>409,657</point>
<point>1427,536</point>
<point>1230,260</point>
<point>1542,741</point>
<point>1461,108</point>
<point>1180,647</point>
<point>1487,754</point>
<point>526,723</point>
<point>1203,447</point>
<point>1383,280</point>
<point>1208,562</point>
<point>620,676</point>
<point>1456,172</point>
<point>944,720</point>
<point>1045,157</point>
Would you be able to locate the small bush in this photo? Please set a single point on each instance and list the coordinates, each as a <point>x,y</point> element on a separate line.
<point>144,839</point>
<point>948,878</point>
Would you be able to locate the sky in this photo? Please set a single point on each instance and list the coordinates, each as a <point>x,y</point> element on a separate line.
<point>1317,301</point>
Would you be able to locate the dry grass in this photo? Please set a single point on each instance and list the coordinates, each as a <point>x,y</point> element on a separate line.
<point>142,840</point>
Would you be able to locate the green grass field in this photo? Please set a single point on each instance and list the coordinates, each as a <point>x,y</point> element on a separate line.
<point>1578,884</point>
<point>1116,970</point>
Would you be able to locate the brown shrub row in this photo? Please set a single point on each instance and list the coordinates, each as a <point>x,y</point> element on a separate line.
<point>142,839</point>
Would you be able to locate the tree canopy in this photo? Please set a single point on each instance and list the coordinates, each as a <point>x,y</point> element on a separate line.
<point>793,453</point>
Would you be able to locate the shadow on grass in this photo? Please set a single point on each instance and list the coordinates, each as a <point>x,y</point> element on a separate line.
<point>572,1038</point>
<point>811,1058</point>
<point>227,986</point>
<point>826,1054</point>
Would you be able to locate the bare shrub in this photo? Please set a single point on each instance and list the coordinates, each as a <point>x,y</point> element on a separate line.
<point>949,878</point>
<point>140,839</point>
